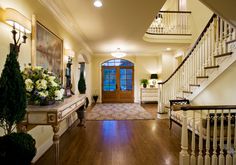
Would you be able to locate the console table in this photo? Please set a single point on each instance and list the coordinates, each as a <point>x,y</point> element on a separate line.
<point>148,95</point>
<point>53,115</point>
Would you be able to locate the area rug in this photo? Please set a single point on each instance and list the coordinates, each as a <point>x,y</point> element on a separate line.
<point>121,111</point>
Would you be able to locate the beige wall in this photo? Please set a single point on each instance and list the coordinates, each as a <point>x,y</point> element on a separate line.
<point>42,134</point>
<point>168,62</point>
<point>144,66</point>
<point>200,17</point>
<point>221,91</point>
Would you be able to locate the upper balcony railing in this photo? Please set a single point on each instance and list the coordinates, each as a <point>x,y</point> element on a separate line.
<point>170,23</point>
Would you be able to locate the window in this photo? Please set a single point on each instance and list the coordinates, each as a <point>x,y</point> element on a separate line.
<point>117,62</point>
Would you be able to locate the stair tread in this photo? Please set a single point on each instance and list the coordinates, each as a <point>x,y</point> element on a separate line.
<point>212,67</point>
<point>224,54</point>
<point>202,77</point>
<point>197,85</point>
<point>187,92</point>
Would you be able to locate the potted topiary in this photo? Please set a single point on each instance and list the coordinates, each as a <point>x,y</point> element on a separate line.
<point>144,82</point>
<point>82,84</point>
<point>15,148</point>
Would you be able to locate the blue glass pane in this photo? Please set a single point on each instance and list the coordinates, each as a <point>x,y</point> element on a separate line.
<point>129,87</point>
<point>113,81</point>
<point>106,88</point>
<point>106,77</point>
<point>106,71</point>
<point>112,88</point>
<point>112,77</point>
<point>129,76</point>
<point>122,71</point>
<point>112,71</point>
<point>129,82</point>
<point>129,71</point>
<point>106,82</point>
<point>123,76</point>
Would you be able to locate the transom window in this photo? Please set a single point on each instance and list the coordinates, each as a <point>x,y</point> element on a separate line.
<point>117,62</point>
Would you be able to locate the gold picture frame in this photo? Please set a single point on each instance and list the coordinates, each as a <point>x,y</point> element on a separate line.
<point>47,49</point>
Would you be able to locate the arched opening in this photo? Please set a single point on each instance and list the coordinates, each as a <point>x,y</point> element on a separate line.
<point>117,81</point>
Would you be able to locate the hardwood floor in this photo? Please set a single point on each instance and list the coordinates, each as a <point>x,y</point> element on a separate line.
<point>133,142</point>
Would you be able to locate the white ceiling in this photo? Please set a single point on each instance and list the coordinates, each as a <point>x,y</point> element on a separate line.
<point>119,23</point>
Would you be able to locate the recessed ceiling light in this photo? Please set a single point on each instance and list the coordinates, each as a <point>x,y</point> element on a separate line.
<point>168,49</point>
<point>97,3</point>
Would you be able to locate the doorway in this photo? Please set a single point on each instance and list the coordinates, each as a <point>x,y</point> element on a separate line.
<point>117,81</point>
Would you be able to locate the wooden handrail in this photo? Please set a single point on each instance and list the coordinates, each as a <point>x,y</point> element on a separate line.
<point>207,107</point>
<point>190,52</point>
<point>188,12</point>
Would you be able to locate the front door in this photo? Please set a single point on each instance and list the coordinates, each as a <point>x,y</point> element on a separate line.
<point>117,81</point>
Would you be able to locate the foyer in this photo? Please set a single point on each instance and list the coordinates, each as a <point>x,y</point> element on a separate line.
<point>179,55</point>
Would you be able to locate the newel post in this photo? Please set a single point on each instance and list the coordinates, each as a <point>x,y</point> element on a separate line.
<point>160,102</point>
<point>184,156</point>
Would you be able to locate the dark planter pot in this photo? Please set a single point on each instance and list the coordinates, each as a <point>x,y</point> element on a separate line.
<point>95,98</point>
<point>145,85</point>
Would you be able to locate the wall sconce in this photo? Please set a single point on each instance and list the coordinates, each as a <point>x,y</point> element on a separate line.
<point>20,24</point>
<point>70,54</point>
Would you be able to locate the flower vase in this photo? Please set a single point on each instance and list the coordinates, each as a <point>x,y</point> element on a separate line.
<point>47,102</point>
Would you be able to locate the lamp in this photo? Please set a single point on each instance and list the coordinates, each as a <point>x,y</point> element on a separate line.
<point>19,22</point>
<point>118,53</point>
<point>154,77</point>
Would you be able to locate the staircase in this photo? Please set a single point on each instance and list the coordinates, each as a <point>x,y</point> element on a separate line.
<point>213,52</point>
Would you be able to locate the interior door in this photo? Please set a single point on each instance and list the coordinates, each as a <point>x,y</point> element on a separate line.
<point>117,84</point>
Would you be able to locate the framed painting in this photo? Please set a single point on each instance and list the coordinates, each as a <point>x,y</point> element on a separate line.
<point>49,50</point>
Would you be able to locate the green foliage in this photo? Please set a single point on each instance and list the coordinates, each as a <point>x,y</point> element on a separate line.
<point>17,148</point>
<point>82,84</point>
<point>12,94</point>
<point>144,81</point>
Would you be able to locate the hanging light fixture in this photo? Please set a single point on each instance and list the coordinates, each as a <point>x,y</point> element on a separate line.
<point>118,53</point>
<point>97,3</point>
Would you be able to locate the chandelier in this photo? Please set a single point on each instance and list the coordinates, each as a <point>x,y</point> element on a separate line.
<point>118,53</point>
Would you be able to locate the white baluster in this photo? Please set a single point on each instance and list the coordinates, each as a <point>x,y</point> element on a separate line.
<point>234,156</point>
<point>221,156</point>
<point>214,156</point>
<point>184,156</point>
<point>200,157</point>
<point>213,41</point>
<point>207,157</point>
<point>193,156</point>
<point>228,156</point>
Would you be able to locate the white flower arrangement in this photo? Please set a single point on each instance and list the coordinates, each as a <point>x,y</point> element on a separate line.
<point>41,85</point>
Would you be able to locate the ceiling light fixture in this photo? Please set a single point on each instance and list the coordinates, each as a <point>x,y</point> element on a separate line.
<point>118,53</point>
<point>168,49</point>
<point>97,3</point>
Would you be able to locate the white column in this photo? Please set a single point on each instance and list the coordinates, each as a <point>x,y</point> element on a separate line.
<point>184,156</point>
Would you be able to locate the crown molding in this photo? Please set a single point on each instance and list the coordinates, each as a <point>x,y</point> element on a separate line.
<point>65,20</point>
